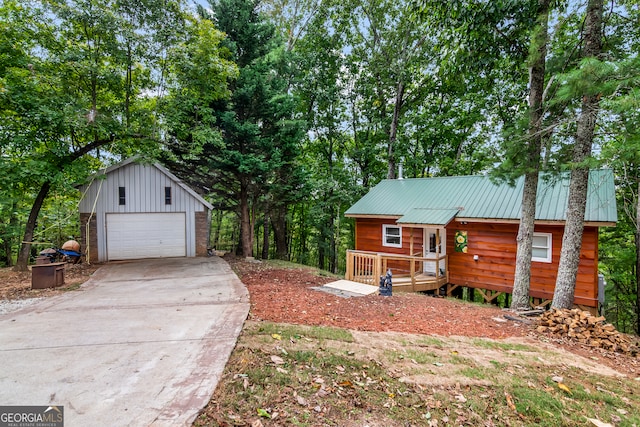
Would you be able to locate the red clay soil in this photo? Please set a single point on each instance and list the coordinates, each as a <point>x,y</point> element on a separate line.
<point>16,285</point>
<point>286,295</point>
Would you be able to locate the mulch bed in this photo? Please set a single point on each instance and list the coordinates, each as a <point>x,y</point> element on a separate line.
<point>286,295</point>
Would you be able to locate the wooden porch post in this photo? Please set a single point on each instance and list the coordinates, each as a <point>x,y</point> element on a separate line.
<point>437,253</point>
<point>377,270</point>
<point>412,265</point>
<point>412,272</point>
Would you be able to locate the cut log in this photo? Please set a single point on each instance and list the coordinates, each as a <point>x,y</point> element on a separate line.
<point>581,326</point>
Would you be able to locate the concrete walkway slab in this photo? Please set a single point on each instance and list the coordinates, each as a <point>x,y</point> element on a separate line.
<point>352,287</point>
<point>142,343</point>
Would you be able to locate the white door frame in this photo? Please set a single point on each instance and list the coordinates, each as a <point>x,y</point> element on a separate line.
<point>431,249</point>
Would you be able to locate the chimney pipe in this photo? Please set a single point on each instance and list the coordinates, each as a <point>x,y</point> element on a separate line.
<point>400,170</point>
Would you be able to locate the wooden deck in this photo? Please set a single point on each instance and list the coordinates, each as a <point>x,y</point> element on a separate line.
<point>408,275</point>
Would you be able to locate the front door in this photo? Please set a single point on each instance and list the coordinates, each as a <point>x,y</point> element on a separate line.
<point>434,248</point>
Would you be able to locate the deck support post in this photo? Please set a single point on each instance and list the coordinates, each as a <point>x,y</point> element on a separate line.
<point>539,302</point>
<point>451,288</point>
<point>488,295</point>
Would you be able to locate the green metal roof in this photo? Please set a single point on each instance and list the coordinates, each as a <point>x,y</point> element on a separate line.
<point>428,216</point>
<point>432,200</point>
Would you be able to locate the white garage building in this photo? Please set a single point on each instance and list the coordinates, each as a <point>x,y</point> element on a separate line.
<point>133,210</point>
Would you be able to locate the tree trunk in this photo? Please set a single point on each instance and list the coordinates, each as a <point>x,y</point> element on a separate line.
<point>9,236</point>
<point>637,272</point>
<point>303,236</point>
<point>522,279</point>
<point>265,235</point>
<point>25,248</point>
<point>216,230</point>
<point>321,251</point>
<point>563,295</point>
<point>245,220</point>
<point>23,254</point>
<point>279,224</point>
<point>333,253</point>
<point>8,258</point>
<point>393,131</point>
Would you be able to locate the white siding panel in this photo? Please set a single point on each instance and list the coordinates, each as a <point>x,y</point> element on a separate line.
<point>145,235</point>
<point>144,187</point>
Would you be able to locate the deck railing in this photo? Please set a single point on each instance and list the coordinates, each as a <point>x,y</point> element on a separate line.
<point>367,267</point>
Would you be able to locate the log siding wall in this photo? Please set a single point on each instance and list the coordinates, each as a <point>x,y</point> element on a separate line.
<point>369,238</point>
<point>495,244</point>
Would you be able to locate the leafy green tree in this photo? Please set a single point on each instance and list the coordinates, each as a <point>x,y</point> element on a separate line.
<point>78,86</point>
<point>15,44</point>
<point>477,87</point>
<point>292,17</point>
<point>387,54</point>
<point>321,87</point>
<point>620,246</point>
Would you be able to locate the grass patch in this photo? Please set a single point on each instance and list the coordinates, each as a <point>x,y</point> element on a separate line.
<point>323,377</point>
<point>504,346</point>
<point>275,263</point>
<point>288,332</point>
<point>537,404</point>
<point>474,373</point>
<point>428,342</point>
<point>459,360</point>
<point>419,357</point>
<point>72,287</point>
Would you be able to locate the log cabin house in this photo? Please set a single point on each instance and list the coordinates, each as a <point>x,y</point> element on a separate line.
<point>454,232</point>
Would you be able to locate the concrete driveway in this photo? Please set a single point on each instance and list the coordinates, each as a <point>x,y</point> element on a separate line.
<point>142,343</point>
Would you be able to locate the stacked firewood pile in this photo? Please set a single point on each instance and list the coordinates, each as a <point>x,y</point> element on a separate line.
<point>581,326</point>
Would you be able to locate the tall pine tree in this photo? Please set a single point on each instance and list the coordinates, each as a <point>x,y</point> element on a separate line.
<point>572,238</point>
<point>537,61</point>
<point>245,154</point>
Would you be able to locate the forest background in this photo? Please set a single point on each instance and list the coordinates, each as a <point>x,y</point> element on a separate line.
<point>283,113</point>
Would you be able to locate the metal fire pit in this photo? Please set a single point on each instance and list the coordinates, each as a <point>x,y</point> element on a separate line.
<point>47,275</point>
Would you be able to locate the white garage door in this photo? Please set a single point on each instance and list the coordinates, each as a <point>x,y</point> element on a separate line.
<point>146,235</point>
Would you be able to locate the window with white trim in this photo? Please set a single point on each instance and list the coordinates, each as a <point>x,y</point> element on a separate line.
<point>541,248</point>
<point>391,235</point>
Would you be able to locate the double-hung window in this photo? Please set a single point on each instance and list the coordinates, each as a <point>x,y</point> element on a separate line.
<point>392,236</point>
<point>541,248</point>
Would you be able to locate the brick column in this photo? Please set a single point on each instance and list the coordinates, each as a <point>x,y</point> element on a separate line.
<point>92,242</point>
<point>202,233</point>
